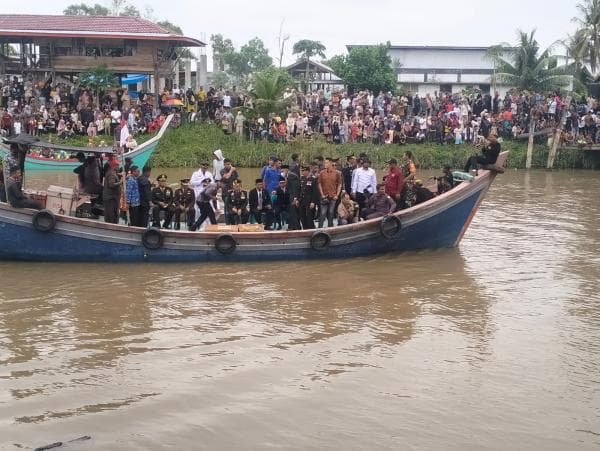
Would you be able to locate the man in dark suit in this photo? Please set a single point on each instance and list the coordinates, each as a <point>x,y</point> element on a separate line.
<point>293,188</point>
<point>260,203</point>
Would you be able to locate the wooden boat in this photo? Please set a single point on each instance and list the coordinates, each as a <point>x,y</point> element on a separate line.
<point>438,223</point>
<point>140,155</point>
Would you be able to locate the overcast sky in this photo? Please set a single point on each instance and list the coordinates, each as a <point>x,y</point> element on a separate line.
<point>337,23</point>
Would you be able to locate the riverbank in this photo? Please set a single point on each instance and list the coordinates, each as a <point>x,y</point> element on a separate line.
<point>187,145</point>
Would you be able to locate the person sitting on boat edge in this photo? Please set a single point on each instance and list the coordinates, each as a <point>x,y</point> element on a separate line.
<point>14,193</point>
<point>445,182</point>
<point>422,193</point>
<point>184,201</point>
<point>378,204</point>
<point>261,207</point>
<point>238,204</point>
<point>489,154</point>
<point>162,199</point>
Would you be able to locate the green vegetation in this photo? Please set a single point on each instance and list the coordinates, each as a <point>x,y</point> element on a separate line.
<point>187,145</point>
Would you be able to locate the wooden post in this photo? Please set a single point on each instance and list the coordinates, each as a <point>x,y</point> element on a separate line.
<point>556,140</point>
<point>530,142</point>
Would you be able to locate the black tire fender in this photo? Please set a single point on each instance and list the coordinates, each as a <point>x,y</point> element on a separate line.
<point>390,226</point>
<point>320,241</point>
<point>153,238</point>
<point>44,221</point>
<point>225,244</point>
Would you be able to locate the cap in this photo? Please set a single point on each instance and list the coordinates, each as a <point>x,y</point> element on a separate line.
<point>350,157</point>
<point>258,181</point>
<point>306,168</point>
<point>185,181</point>
<point>393,161</point>
<point>419,182</point>
<point>161,178</point>
<point>285,166</point>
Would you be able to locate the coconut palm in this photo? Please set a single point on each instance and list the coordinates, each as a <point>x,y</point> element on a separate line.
<point>268,87</point>
<point>586,40</point>
<point>526,69</point>
<point>307,49</point>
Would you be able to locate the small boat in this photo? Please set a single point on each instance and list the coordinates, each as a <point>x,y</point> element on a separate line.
<point>140,155</point>
<point>441,222</point>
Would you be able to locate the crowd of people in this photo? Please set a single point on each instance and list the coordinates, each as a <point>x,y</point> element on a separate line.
<point>286,196</point>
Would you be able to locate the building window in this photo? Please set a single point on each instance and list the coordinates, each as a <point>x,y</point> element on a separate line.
<point>112,52</point>
<point>130,47</point>
<point>78,46</point>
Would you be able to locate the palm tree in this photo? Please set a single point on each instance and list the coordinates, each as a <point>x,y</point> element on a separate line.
<point>586,41</point>
<point>268,87</point>
<point>529,70</point>
<point>307,49</point>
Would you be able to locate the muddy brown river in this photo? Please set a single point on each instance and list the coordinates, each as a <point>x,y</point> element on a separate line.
<point>494,345</point>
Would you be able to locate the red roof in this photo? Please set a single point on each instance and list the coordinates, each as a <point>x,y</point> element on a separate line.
<point>97,26</point>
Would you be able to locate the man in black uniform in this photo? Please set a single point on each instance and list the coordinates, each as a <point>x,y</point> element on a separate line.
<point>489,154</point>
<point>293,187</point>
<point>183,202</point>
<point>309,195</point>
<point>145,188</point>
<point>347,173</point>
<point>238,204</point>
<point>261,205</point>
<point>162,198</point>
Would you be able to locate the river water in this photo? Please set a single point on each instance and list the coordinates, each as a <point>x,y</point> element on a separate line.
<point>493,345</point>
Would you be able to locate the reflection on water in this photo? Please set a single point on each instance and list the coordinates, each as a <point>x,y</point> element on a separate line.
<point>492,345</point>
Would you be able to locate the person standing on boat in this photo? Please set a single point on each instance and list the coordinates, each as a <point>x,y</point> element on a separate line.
<point>132,196</point>
<point>196,183</point>
<point>111,193</point>
<point>145,190</point>
<point>162,199</point>
<point>204,202</point>
<point>293,187</point>
<point>394,181</point>
<point>489,154</point>
<point>309,196</point>
<point>347,172</point>
<point>2,187</point>
<point>330,187</point>
<point>218,165</point>
<point>364,183</point>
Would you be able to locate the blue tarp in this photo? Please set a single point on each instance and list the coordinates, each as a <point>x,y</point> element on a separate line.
<point>133,79</point>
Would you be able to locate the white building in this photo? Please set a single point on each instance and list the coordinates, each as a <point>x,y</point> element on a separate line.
<point>426,69</point>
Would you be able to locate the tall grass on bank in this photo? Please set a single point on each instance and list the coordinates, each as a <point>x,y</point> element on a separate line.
<point>189,144</point>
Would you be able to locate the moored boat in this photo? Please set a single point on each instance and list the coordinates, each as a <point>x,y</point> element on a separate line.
<point>140,155</point>
<point>440,222</point>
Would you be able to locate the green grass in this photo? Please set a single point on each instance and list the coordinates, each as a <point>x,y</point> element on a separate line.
<point>187,145</point>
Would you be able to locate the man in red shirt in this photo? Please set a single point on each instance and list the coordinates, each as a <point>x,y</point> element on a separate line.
<point>394,180</point>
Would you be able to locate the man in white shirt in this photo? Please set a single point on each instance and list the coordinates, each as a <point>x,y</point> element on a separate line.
<point>227,100</point>
<point>364,183</point>
<point>115,119</point>
<point>196,182</point>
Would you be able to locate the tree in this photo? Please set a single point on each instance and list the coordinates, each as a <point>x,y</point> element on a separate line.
<point>256,54</point>
<point>268,87</point>
<point>117,8</point>
<point>84,10</point>
<point>221,49</point>
<point>526,69</point>
<point>98,79</point>
<point>219,79</point>
<point>529,70</point>
<point>307,49</point>
<point>368,67</point>
<point>586,41</point>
